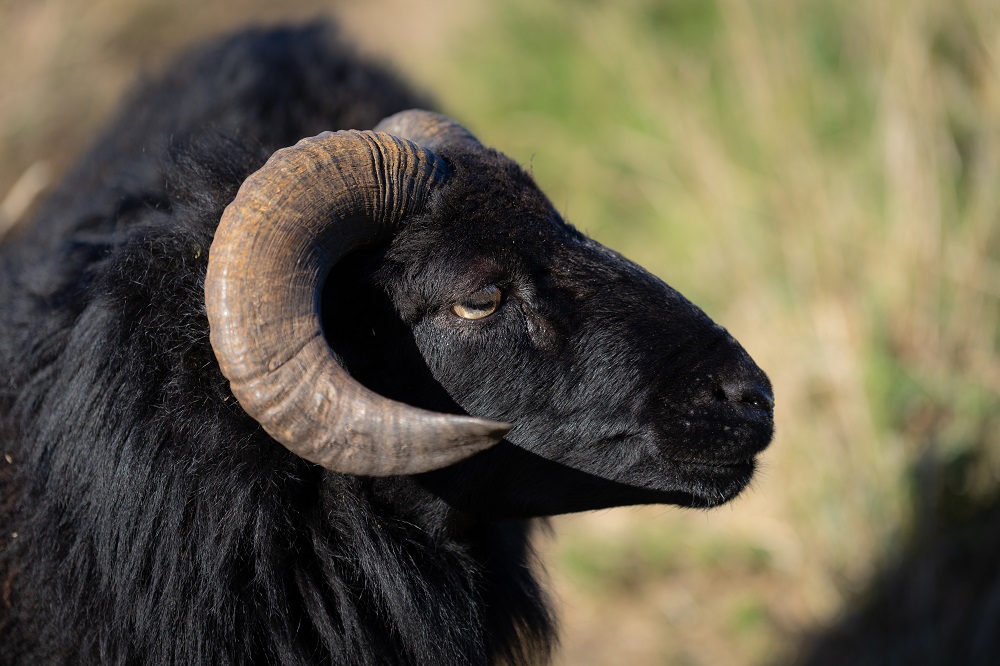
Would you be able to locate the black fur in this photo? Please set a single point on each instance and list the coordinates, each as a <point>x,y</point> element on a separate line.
<point>156,523</point>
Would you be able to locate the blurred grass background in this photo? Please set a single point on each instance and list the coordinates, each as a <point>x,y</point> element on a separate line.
<point>822,177</point>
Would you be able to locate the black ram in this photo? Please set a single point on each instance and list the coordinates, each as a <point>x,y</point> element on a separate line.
<point>321,437</point>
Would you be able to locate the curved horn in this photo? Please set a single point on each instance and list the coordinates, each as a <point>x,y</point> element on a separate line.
<point>426,128</point>
<point>310,205</point>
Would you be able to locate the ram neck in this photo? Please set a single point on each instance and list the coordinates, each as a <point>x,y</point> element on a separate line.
<point>447,569</point>
<point>404,499</point>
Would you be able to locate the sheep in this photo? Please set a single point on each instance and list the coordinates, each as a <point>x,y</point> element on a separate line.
<point>281,391</point>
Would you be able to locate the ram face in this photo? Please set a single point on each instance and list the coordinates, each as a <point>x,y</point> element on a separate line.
<point>468,318</point>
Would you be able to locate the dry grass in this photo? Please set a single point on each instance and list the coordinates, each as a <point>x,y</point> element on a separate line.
<point>821,176</point>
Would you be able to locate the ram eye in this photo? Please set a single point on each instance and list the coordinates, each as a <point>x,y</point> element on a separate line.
<point>480,304</point>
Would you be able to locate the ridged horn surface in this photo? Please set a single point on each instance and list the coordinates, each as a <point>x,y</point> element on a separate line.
<point>426,129</point>
<point>291,221</point>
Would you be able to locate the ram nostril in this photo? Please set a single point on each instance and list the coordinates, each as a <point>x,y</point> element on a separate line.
<point>749,394</point>
<point>758,397</point>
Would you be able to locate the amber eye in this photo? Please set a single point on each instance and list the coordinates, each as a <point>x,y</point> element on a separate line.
<point>480,304</point>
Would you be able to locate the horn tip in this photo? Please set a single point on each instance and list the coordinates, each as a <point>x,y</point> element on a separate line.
<point>486,430</point>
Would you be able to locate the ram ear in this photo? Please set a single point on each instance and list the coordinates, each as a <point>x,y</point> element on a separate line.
<point>428,130</point>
